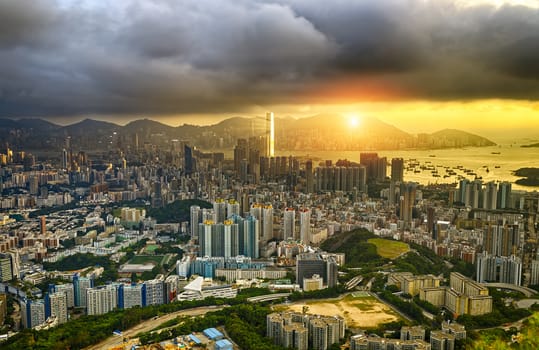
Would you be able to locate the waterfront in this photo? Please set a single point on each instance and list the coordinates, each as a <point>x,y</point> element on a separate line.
<point>500,161</point>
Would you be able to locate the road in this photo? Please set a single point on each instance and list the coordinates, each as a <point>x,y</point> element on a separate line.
<point>149,325</point>
<point>392,307</point>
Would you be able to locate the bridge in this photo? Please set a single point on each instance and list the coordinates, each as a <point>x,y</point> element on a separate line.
<point>524,290</point>
<point>267,297</point>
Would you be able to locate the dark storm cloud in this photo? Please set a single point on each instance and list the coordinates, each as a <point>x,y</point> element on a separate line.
<point>179,56</point>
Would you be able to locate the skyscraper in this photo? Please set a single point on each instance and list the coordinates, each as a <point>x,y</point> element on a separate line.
<point>504,195</point>
<point>189,166</point>
<point>407,201</point>
<point>397,169</point>
<point>195,219</point>
<point>267,222</point>
<point>56,305</point>
<point>270,134</point>
<point>289,224</point>
<point>81,284</point>
<point>305,225</point>
<point>101,300</point>
<point>219,210</point>
<point>32,313</point>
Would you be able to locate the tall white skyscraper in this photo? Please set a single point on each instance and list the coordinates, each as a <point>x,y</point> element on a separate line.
<point>270,133</point>
<point>289,223</point>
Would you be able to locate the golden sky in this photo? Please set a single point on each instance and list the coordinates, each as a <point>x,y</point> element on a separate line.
<point>421,65</point>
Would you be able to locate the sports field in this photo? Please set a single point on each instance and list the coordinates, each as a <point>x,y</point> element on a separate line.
<point>144,259</point>
<point>360,310</point>
<point>387,248</point>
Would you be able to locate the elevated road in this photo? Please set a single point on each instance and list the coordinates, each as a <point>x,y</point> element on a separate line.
<point>524,290</point>
<point>267,297</point>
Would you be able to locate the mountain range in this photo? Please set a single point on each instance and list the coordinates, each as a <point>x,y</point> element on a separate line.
<point>319,132</point>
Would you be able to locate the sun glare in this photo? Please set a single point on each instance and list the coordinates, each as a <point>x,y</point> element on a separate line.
<point>353,120</point>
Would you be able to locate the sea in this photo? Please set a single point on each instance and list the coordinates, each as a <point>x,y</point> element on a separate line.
<point>494,163</point>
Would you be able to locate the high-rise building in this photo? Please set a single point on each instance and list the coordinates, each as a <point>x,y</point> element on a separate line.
<point>490,196</point>
<point>6,268</point>
<point>131,295</point>
<point>289,224</point>
<point>56,306</point>
<point>81,284</point>
<point>310,264</point>
<point>189,161</point>
<point>232,208</point>
<point>270,134</point>
<point>304,331</point>
<point>221,239</point>
<point>155,292</point>
<point>267,222</point>
<point>397,169</point>
<point>195,219</point>
<point>171,288</point>
<point>376,167</point>
<point>101,300</point>
<point>442,341</point>
<point>219,210</point>
<point>43,225</point>
<point>309,177</point>
<point>500,269</point>
<point>251,237</point>
<point>305,225</point>
<point>32,313</point>
<point>407,200</point>
<point>504,196</point>
<point>68,289</point>
<point>240,153</point>
<point>501,240</point>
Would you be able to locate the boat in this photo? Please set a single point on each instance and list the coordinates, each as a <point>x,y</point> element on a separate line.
<point>495,152</point>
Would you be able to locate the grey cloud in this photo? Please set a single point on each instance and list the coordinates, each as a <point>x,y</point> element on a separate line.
<point>165,56</point>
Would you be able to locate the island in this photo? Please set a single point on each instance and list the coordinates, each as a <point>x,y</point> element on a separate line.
<point>530,176</point>
<point>533,145</point>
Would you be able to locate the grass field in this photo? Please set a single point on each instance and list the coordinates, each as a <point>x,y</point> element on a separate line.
<point>359,312</point>
<point>144,259</point>
<point>150,248</point>
<point>389,249</point>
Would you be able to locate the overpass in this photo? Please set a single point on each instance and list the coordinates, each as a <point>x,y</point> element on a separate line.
<point>524,290</point>
<point>267,297</point>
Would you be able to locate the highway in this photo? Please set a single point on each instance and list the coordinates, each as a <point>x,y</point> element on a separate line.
<point>148,325</point>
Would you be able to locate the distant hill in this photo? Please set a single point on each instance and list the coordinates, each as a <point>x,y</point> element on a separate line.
<point>533,145</point>
<point>459,138</point>
<point>321,132</point>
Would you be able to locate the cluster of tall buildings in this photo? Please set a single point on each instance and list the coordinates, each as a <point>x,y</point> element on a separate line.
<point>500,261</point>
<point>304,331</point>
<point>490,196</point>
<point>95,300</point>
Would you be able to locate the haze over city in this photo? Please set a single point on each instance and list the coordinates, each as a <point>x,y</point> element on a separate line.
<point>420,65</point>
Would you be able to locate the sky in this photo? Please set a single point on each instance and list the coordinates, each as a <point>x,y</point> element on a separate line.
<point>418,64</point>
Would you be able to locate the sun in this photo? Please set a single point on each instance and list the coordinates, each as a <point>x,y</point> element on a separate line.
<point>353,120</point>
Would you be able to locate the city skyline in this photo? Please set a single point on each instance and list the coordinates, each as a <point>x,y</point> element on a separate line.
<point>419,65</point>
